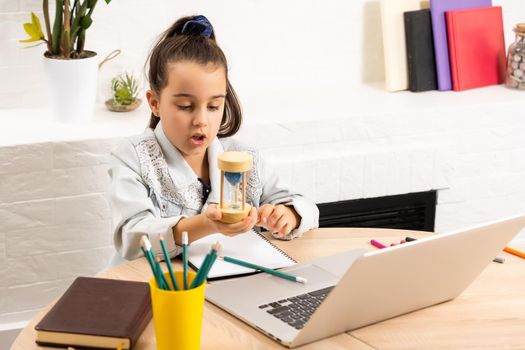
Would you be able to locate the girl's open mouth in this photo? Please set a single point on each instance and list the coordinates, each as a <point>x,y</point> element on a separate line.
<point>198,139</point>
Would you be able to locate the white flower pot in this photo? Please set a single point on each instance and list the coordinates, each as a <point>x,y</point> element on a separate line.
<point>72,88</point>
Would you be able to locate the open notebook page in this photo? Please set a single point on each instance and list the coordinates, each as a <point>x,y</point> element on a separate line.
<point>249,246</point>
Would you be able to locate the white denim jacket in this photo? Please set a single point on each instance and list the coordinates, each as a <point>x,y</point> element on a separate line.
<point>152,188</point>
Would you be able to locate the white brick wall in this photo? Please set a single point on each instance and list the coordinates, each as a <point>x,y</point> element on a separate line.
<point>65,237</point>
<point>26,158</point>
<point>3,296</point>
<point>29,297</point>
<point>306,74</point>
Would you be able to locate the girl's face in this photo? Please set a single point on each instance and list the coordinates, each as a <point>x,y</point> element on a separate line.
<point>191,105</point>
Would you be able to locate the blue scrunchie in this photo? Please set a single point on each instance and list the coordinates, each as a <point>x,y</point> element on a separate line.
<point>198,26</point>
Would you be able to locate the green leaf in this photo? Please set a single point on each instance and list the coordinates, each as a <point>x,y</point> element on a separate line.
<point>91,3</point>
<point>85,22</point>
<point>108,1</point>
<point>83,8</point>
<point>57,26</point>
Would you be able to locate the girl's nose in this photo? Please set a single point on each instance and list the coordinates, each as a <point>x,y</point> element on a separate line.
<point>200,118</point>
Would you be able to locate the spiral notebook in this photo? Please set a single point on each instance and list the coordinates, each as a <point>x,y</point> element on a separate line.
<point>250,246</point>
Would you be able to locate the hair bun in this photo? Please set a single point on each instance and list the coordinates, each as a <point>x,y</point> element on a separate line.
<point>197,26</point>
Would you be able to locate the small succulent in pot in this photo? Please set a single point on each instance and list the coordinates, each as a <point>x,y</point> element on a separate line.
<point>124,93</point>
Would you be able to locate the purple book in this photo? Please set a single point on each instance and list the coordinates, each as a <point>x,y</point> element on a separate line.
<point>439,28</point>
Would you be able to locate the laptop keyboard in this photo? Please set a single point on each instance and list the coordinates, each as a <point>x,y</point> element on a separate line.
<point>297,310</point>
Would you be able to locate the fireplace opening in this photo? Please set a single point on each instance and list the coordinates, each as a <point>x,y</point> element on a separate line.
<point>412,211</point>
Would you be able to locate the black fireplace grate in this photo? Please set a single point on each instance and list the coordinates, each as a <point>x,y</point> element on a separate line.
<point>412,211</point>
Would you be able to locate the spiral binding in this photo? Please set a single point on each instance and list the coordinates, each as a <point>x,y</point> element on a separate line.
<point>275,247</point>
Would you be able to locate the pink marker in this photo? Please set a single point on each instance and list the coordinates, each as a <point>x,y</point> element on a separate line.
<point>377,244</point>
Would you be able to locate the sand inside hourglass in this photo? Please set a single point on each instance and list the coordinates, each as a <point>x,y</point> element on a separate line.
<point>233,190</point>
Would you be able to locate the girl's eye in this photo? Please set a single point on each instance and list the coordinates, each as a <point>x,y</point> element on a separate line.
<point>184,108</point>
<point>213,108</point>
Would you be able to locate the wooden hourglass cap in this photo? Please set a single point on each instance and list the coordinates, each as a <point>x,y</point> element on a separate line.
<point>520,28</point>
<point>235,162</point>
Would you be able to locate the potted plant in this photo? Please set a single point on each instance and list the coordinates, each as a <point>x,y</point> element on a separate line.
<point>72,70</point>
<point>124,93</point>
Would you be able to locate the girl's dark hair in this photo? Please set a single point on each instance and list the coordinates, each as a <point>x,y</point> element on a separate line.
<point>173,46</point>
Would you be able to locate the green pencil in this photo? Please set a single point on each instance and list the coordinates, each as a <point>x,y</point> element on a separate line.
<point>161,274</point>
<point>146,249</point>
<point>168,263</point>
<point>151,265</point>
<point>205,267</point>
<point>185,258</point>
<point>276,273</point>
<point>197,277</point>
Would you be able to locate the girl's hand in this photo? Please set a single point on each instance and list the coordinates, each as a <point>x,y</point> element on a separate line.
<point>214,215</point>
<point>278,219</point>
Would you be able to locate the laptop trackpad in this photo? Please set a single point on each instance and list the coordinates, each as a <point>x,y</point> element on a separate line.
<point>316,276</point>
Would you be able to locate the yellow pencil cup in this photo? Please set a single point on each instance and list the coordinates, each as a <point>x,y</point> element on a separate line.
<point>177,315</point>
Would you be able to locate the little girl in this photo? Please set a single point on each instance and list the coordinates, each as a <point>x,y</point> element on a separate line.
<point>166,180</point>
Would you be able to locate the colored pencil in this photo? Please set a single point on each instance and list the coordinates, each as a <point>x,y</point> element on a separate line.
<point>185,258</point>
<point>153,269</point>
<point>146,249</point>
<point>168,263</point>
<point>161,274</point>
<point>276,273</point>
<point>205,267</point>
<point>158,273</point>
<point>377,244</point>
<point>143,247</point>
<point>214,250</point>
<point>514,252</point>
<point>200,273</point>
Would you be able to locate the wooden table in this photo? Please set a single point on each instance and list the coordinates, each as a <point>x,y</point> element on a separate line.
<point>489,314</point>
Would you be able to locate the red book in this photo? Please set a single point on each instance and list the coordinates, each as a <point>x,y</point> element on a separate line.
<point>476,46</point>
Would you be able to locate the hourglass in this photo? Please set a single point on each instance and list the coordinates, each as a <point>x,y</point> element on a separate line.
<point>234,166</point>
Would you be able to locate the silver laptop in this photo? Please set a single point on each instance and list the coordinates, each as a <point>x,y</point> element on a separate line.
<point>357,288</point>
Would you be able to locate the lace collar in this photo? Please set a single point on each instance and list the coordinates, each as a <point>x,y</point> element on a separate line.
<point>182,173</point>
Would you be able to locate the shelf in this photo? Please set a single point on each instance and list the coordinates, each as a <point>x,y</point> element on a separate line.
<point>25,126</point>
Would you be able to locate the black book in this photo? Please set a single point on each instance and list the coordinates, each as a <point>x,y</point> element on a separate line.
<point>420,51</point>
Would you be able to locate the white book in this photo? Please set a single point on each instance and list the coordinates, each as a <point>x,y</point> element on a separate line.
<point>249,246</point>
<point>394,44</point>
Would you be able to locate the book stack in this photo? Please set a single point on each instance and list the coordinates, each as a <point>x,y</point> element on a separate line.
<point>443,45</point>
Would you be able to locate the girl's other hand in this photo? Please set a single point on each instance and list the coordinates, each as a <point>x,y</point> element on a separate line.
<point>278,219</point>
<point>214,215</point>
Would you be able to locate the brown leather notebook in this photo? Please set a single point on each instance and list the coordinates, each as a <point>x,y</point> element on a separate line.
<point>97,313</point>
